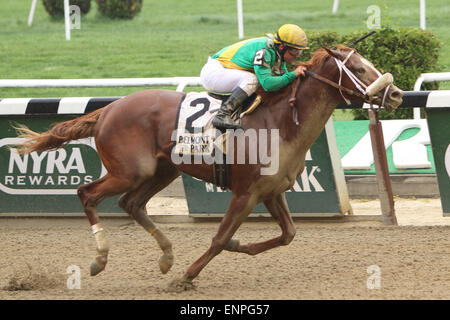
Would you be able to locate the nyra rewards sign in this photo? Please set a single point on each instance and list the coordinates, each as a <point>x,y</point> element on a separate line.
<point>50,172</point>
<point>47,182</point>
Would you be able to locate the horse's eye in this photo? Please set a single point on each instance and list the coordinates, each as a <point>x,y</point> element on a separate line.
<point>360,70</point>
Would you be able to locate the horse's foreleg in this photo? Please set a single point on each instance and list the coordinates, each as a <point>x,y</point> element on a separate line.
<point>240,207</point>
<point>279,210</point>
<point>90,195</point>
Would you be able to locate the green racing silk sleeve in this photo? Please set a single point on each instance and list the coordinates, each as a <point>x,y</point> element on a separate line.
<point>270,82</point>
<point>262,63</point>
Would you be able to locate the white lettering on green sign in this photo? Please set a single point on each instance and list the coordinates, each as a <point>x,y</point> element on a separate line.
<point>56,172</point>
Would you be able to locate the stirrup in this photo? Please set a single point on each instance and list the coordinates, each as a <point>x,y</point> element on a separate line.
<point>256,102</point>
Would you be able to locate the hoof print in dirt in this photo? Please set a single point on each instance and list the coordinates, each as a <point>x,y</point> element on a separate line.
<point>180,286</point>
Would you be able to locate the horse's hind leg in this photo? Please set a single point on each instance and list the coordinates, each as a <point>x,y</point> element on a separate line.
<point>279,210</point>
<point>90,195</point>
<point>134,202</point>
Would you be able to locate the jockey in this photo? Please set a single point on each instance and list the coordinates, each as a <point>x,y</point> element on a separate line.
<point>241,67</point>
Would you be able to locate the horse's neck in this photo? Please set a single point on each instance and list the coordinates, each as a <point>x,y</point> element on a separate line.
<point>280,117</point>
<point>315,103</point>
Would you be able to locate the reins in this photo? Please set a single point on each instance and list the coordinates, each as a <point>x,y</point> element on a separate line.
<point>293,98</point>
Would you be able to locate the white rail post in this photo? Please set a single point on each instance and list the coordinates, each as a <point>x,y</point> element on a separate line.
<point>181,86</point>
<point>417,85</point>
<point>422,14</point>
<point>31,15</point>
<point>240,20</point>
<point>67,19</point>
<point>335,6</point>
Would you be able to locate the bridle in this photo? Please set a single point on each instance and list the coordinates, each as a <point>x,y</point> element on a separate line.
<point>365,92</point>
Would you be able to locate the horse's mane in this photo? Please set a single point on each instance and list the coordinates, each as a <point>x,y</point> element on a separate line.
<point>320,55</point>
<point>318,58</point>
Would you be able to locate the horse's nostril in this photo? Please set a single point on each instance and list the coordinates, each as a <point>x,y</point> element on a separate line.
<point>396,94</point>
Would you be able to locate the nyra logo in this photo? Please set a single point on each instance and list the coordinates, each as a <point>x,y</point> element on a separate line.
<point>50,172</point>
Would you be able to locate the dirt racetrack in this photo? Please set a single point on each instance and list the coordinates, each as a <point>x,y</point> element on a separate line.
<point>326,260</point>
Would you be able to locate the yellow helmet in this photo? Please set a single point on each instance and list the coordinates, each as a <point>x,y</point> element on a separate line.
<point>291,35</point>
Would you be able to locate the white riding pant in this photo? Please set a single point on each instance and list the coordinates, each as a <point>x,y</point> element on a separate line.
<point>217,78</point>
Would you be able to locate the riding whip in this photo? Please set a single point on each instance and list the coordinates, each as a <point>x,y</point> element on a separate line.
<point>361,39</point>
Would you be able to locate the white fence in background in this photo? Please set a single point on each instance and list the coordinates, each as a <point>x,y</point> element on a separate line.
<point>180,82</point>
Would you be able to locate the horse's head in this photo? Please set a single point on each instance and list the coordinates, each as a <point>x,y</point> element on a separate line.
<point>360,75</point>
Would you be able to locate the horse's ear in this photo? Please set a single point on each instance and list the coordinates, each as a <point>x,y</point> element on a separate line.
<point>333,53</point>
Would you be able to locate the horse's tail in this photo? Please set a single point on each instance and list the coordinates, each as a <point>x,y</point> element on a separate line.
<point>59,135</point>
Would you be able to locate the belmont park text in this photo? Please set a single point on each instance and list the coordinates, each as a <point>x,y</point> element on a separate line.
<point>211,146</point>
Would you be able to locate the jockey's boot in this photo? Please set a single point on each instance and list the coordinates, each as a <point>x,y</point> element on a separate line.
<point>223,119</point>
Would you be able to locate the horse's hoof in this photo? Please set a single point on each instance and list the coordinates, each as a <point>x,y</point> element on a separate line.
<point>179,285</point>
<point>98,265</point>
<point>165,263</point>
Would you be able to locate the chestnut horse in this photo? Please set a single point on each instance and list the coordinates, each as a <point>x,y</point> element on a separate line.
<point>133,140</point>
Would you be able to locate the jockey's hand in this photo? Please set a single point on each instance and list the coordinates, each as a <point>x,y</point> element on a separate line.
<point>300,71</point>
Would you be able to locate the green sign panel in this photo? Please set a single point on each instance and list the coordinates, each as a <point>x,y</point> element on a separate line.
<point>439,126</point>
<point>319,191</point>
<point>47,181</point>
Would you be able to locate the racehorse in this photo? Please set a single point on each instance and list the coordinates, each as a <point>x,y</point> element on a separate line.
<point>133,140</point>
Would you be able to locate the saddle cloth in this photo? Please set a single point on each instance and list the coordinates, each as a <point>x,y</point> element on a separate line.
<point>194,131</point>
